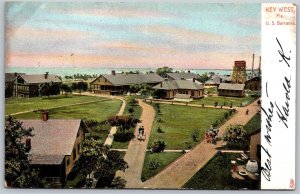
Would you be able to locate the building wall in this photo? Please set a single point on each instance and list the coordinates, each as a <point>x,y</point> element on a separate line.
<point>253,85</point>
<point>71,159</point>
<point>169,94</point>
<point>254,142</point>
<point>231,93</point>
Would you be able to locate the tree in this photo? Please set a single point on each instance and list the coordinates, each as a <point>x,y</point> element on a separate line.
<point>49,88</point>
<point>132,101</point>
<point>134,88</point>
<point>99,160</point>
<point>81,86</point>
<point>203,78</point>
<point>162,71</point>
<point>18,172</point>
<point>234,134</point>
<point>65,88</point>
<point>123,122</point>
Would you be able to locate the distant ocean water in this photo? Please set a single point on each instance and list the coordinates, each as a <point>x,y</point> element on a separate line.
<point>63,71</point>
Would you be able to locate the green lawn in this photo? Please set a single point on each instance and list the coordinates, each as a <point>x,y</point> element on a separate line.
<point>163,159</point>
<point>121,140</point>
<point>179,122</point>
<point>27,104</point>
<point>253,124</point>
<point>216,175</point>
<point>99,111</point>
<point>236,102</point>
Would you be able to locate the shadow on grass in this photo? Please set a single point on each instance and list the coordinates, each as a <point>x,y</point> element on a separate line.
<point>123,137</point>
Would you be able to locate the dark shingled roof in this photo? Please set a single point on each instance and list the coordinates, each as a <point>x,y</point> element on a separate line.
<point>53,139</point>
<point>121,79</point>
<point>40,78</point>
<point>178,84</point>
<point>227,86</point>
<point>216,79</point>
<point>10,77</point>
<point>183,75</point>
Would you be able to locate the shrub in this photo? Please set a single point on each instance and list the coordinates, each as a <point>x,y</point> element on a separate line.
<point>130,110</point>
<point>154,164</point>
<point>159,130</point>
<point>195,135</point>
<point>159,120</point>
<point>216,104</point>
<point>226,115</point>
<point>132,101</point>
<point>158,146</point>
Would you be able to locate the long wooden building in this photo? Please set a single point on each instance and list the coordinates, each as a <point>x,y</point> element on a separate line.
<point>118,83</point>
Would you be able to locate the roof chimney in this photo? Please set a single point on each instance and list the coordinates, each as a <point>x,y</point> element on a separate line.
<point>45,115</point>
<point>46,75</point>
<point>16,74</point>
<point>113,72</point>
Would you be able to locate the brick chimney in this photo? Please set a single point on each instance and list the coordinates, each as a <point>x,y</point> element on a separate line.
<point>46,75</point>
<point>45,115</point>
<point>113,72</point>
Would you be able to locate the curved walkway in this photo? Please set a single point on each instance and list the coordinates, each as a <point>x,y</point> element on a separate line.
<point>113,130</point>
<point>137,149</point>
<point>181,170</point>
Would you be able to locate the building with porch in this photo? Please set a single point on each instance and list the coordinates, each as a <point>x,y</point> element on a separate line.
<point>119,83</point>
<point>29,85</point>
<point>186,89</point>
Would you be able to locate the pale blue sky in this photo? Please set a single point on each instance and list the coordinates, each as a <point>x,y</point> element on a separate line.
<point>131,34</point>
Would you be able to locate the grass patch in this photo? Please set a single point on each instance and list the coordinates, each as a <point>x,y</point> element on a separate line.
<point>236,102</point>
<point>253,124</point>
<point>27,104</point>
<point>178,123</point>
<point>163,159</point>
<point>99,111</point>
<point>216,175</point>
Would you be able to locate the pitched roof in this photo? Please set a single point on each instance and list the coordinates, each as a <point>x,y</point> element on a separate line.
<point>10,77</point>
<point>39,78</point>
<point>120,79</point>
<point>178,84</point>
<point>52,140</point>
<point>228,86</point>
<point>183,75</point>
<point>217,79</point>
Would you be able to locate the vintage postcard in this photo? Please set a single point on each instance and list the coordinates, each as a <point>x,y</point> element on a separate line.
<point>148,95</point>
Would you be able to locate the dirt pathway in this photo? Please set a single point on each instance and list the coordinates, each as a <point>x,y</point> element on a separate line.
<point>182,169</point>
<point>137,149</point>
<point>113,130</point>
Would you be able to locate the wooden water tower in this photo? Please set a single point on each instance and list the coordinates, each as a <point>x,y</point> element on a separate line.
<point>239,75</point>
